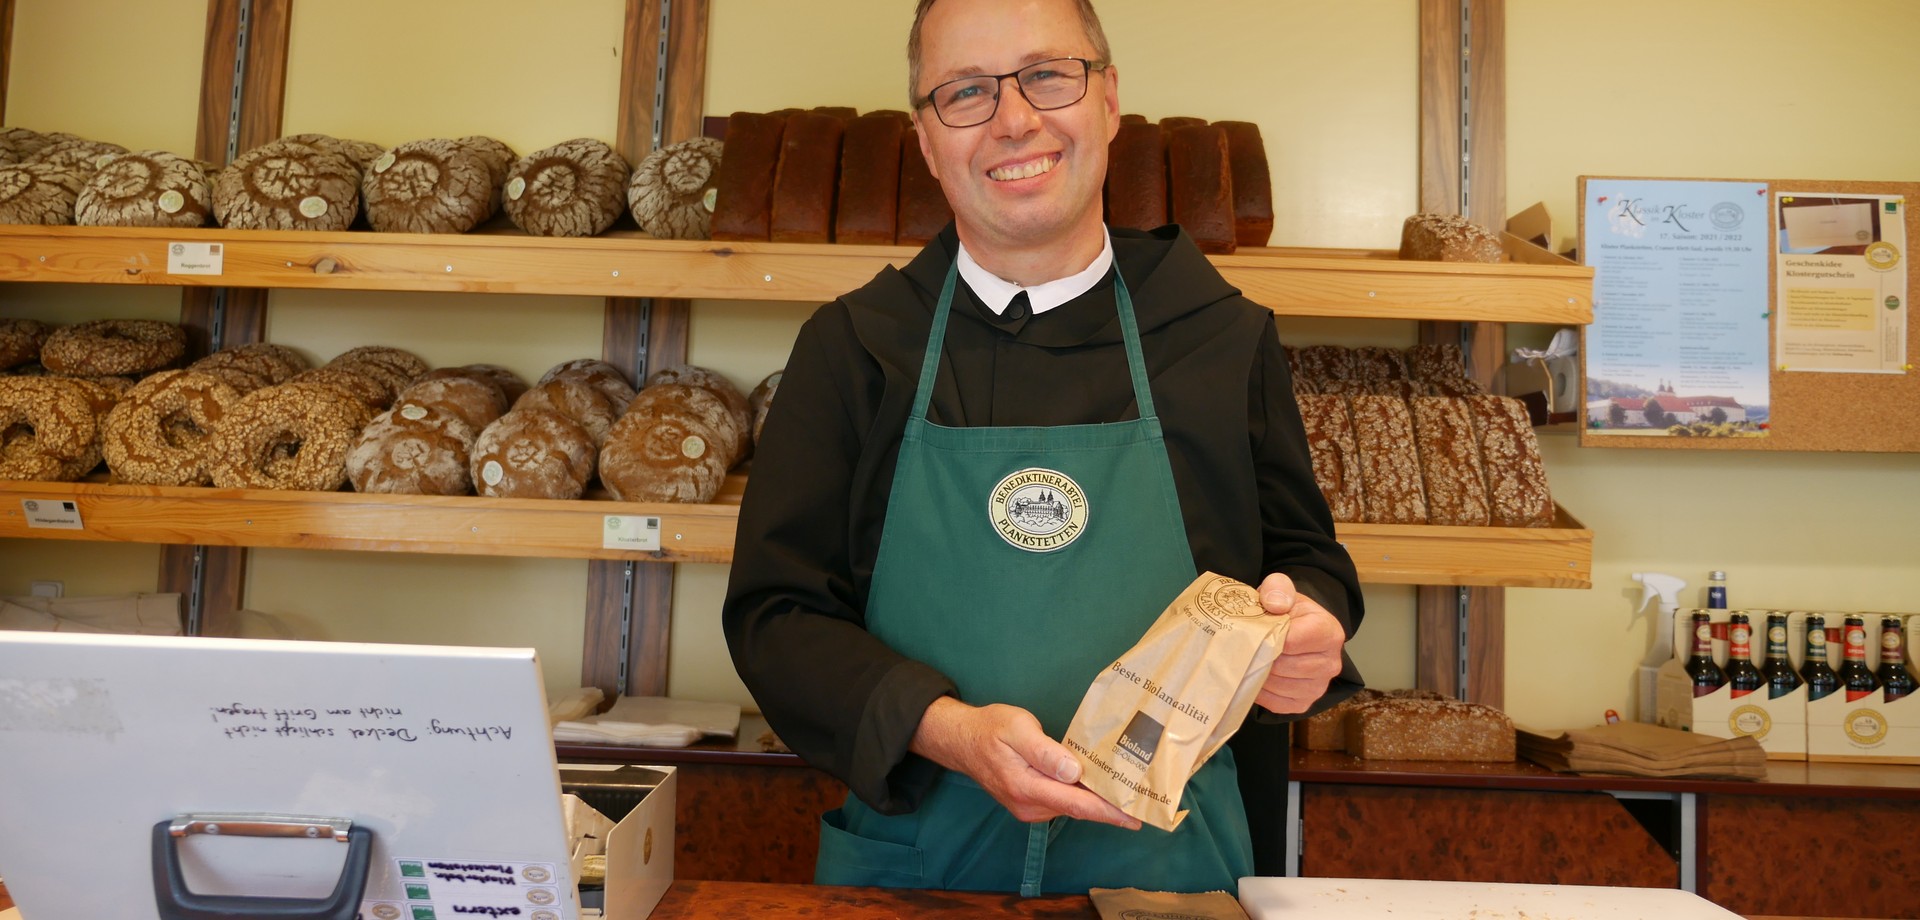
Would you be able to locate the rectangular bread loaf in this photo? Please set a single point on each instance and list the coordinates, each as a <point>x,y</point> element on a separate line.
<point>1137,177</point>
<point>1252,183</point>
<point>924,211</point>
<point>743,203</point>
<point>1448,730</point>
<point>1517,494</point>
<point>1377,366</point>
<point>803,185</point>
<point>1323,365</point>
<point>1327,731</point>
<point>1389,466</point>
<point>1335,454</point>
<point>1300,382</point>
<point>1180,121</point>
<point>1441,370</point>
<point>869,202</point>
<point>1200,185</point>
<point>1449,462</point>
<point>1448,238</point>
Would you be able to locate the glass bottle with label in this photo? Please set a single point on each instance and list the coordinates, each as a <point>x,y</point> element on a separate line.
<point>1821,680</point>
<point>1778,671</point>
<point>1854,673</point>
<point>1893,674</point>
<point>1716,590</point>
<point>1741,674</point>
<point>1707,676</point>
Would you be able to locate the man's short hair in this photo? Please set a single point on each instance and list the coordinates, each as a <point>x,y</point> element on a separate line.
<point>1089,20</point>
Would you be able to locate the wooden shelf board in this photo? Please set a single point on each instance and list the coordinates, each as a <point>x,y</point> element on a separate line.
<point>1558,556</point>
<point>462,525</point>
<point>1303,282</point>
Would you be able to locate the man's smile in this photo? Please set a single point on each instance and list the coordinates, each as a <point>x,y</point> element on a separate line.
<point>1025,169</point>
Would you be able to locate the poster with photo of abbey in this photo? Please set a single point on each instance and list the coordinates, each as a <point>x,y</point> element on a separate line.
<point>1678,343</point>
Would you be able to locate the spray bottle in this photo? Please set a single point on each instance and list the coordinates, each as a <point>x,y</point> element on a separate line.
<point>1667,588</point>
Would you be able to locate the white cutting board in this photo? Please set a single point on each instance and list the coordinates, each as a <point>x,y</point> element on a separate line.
<point>1394,899</point>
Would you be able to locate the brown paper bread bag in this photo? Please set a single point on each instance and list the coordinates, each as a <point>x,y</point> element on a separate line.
<point>1158,712</point>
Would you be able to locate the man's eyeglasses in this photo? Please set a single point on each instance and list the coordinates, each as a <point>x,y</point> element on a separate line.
<point>1053,84</point>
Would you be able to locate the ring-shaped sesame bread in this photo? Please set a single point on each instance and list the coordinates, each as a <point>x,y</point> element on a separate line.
<point>293,436</point>
<point>113,347</point>
<point>158,433</point>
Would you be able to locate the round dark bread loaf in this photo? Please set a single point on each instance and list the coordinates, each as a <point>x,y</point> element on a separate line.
<point>761,400</point>
<point>575,188</point>
<point>741,443</point>
<point>672,191</point>
<point>669,447</point>
<point>499,159</point>
<point>511,385</point>
<point>596,373</point>
<point>38,193</point>
<point>249,367</point>
<point>576,399</point>
<point>413,449</point>
<point>157,433</point>
<point>76,154</point>
<point>360,153</point>
<point>352,382</point>
<point>105,347</point>
<point>287,185</point>
<point>533,453</point>
<point>19,144</point>
<point>292,436</point>
<point>152,188</point>
<point>475,400</point>
<point>428,186</point>
<point>20,341</point>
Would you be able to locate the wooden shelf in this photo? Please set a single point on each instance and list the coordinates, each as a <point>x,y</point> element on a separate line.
<point>1538,287</point>
<point>1545,557</point>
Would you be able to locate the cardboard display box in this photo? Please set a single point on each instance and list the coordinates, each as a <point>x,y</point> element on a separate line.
<point>1779,725</point>
<point>1869,729</point>
<point>640,802</point>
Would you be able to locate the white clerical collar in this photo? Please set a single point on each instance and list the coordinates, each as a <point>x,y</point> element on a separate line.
<point>997,292</point>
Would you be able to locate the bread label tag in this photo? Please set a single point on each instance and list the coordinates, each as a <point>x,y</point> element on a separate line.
<point>101,161</point>
<point>172,201</point>
<point>195,258</point>
<point>313,206</point>
<point>414,413</point>
<point>51,514</point>
<point>711,198</point>
<point>516,187</point>
<point>385,161</point>
<point>631,531</point>
<point>491,473</point>
<point>693,447</point>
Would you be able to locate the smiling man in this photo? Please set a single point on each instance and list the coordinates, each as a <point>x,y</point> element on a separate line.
<point>987,473</point>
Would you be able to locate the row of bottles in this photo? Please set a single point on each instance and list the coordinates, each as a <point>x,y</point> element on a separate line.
<point>1777,674</point>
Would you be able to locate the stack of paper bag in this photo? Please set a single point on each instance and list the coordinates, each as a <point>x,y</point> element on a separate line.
<point>1639,749</point>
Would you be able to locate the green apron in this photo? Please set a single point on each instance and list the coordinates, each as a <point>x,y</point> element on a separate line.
<point>1020,562</point>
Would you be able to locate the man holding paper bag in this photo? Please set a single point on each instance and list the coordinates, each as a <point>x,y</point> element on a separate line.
<point>989,472</point>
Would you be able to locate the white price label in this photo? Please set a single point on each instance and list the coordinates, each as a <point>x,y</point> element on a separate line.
<point>195,258</point>
<point>631,532</point>
<point>52,514</point>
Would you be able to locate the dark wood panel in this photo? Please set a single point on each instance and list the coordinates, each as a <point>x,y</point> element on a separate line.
<point>1820,856</point>
<point>6,68</point>
<point>721,901</point>
<point>751,824</point>
<point>265,74</point>
<point>1440,122</point>
<point>686,100</point>
<point>1437,645</point>
<point>1478,836</point>
<point>223,584</point>
<point>1487,112</point>
<point>600,640</point>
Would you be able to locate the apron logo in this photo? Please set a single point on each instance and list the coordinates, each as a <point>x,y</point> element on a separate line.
<point>1038,510</point>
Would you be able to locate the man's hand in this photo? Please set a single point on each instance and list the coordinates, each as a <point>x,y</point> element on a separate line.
<point>1310,658</point>
<point>1004,750</point>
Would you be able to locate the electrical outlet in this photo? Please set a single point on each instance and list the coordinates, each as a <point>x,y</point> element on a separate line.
<point>49,588</point>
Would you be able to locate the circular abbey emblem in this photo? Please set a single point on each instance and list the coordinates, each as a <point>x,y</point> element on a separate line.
<point>1726,215</point>
<point>1038,510</point>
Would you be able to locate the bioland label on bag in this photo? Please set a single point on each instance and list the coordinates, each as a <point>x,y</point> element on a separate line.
<point>1159,711</point>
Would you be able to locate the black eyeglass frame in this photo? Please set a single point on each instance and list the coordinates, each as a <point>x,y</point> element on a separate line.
<point>1092,67</point>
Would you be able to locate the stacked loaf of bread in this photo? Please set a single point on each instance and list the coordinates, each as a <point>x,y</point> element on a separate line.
<point>1211,179</point>
<point>1409,725</point>
<point>1327,731</point>
<point>1406,437</point>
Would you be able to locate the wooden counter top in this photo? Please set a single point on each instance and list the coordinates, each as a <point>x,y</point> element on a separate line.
<point>1790,779</point>
<point>750,901</point>
<point>743,748</point>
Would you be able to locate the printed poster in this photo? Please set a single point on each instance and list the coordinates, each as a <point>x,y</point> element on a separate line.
<point>1841,279</point>
<point>1678,344</point>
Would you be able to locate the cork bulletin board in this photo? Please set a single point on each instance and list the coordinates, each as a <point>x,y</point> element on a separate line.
<point>1808,411</point>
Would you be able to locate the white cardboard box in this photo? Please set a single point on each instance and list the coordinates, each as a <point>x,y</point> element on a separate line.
<point>640,848</point>
<point>1779,725</point>
<point>1869,729</point>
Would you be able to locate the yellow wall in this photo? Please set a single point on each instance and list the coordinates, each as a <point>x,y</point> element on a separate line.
<point>108,70</point>
<point>1713,88</point>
